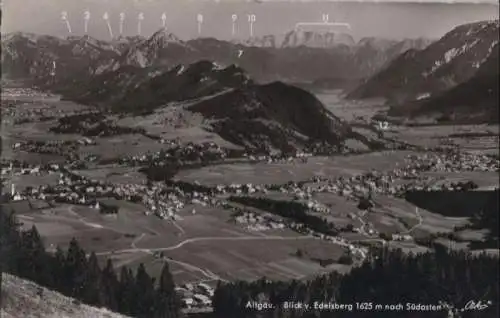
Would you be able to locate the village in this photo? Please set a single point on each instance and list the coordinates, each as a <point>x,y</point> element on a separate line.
<point>166,201</point>
<point>167,198</point>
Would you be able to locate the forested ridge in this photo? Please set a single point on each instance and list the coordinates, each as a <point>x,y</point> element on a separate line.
<point>389,277</point>
<point>386,278</point>
<point>79,276</point>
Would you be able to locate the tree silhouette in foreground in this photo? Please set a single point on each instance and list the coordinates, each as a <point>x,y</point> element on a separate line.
<point>74,274</point>
<point>167,302</point>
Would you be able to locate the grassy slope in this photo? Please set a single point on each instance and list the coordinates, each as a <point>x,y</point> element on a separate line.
<point>20,299</point>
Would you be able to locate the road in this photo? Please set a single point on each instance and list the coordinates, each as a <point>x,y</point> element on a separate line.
<point>205,272</point>
<point>203,239</point>
<point>382,241</point>
<point>182,232</point>
<point>134,242</point>
<point>420,220</point>
<point>210,275</point>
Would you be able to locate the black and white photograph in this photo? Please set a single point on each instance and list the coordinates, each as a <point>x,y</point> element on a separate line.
<point>249,158</point>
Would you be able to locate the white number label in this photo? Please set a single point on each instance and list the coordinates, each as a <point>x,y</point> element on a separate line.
<point>383,125</point>
<point>86,15</point>
<point>64,15</point>
<point>199,18</point>
<point>251,18</point>
<point>141,16</point>
<point>105,16</point>
<point>122,16</point>
<point>325,18</point>
<point>234,17</point>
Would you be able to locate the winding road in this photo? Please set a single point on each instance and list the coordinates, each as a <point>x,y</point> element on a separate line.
<point>420,220</point>
<point>202,239</point>
<point>207,273</point>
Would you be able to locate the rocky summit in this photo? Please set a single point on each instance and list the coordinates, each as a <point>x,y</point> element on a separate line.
<point>446,63</point>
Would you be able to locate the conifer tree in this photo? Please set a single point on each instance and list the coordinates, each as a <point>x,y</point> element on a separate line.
<point>126,292</point>
<point>58,265</point>
<point>33,264</point>
<point>167,302</point>
<point>144,292</point>
<point>93,293</point>
<point>10,241</point>
<point>110,286</point>
<point>75,270</point>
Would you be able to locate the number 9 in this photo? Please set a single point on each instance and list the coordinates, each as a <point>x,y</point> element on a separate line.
<point>234,17</point>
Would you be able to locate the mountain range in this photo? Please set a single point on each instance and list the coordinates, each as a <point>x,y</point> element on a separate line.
<point>296,38</point>
<point>301,57</point>
<point>455,77</point>
<point>258,117</point>
<point>139,76</point>
<point>238,88</point>
<point>273,116</point>
<point>132,88</point>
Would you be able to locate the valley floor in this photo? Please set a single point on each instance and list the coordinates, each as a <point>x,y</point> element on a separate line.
<point>203,240</point>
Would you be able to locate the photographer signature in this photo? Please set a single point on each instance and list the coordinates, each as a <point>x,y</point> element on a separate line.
<point>473,305</point>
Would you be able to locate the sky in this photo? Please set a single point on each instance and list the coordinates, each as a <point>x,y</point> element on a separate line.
<point>391,18</point>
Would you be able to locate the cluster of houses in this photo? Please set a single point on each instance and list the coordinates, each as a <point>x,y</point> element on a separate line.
<point>256,222</point>
<point>57,147</point>
<point>196,295</point>
<point>164,206</point>
<point>455,161</point>
<point>207,151</point>
<point>386,182</point>
<point>279,158</point>
<point>401,237</point>
<point>166,201</point>
<point>20,115</point>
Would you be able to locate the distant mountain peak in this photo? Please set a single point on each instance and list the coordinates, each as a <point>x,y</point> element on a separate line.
<point>162,38</point>
<point>296,38</point>
<point>458,69</point>
<point>83,38</point>
<point>317,39</point>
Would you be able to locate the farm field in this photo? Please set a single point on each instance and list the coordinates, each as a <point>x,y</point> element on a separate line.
<point>482,179</point>
<point>195,245</point>
<point>113,174</point>
<point>278,173</point>
<point>205,243</point>
<point>23,181</point>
